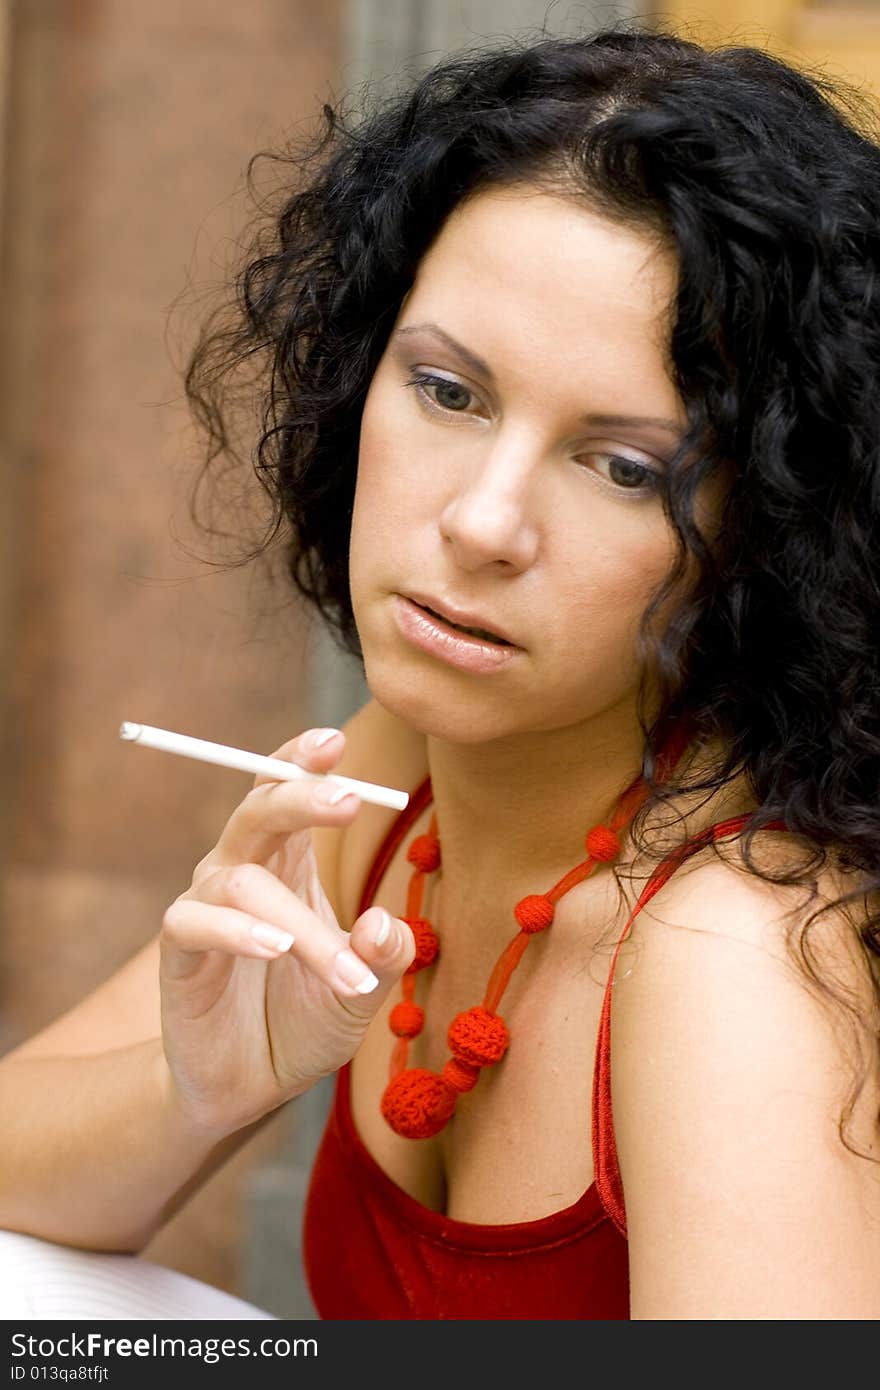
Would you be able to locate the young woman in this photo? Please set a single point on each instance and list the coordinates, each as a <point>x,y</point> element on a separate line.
<point>572,420</point>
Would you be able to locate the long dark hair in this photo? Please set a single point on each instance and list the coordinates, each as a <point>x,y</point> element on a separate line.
<point>770,196</point>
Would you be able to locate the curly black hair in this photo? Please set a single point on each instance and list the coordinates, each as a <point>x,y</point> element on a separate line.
<point>765,182</point>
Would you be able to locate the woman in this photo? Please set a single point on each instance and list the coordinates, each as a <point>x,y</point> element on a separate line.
<point>574,346</point>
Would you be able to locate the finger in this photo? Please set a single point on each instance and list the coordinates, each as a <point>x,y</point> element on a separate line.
<point>191,927</point>
<point>317,750</point>
<point>321,946</point>
<point>384,945</point>
<point>335,956</point>
<point>274,810</point>
<point>270,814</point>
<point>255,890</point>
<point>383,942</point>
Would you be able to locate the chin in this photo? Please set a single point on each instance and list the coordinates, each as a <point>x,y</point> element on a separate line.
<point>421,699</point>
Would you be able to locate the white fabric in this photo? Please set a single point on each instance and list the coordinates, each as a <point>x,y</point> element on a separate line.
<point>42,1281</point>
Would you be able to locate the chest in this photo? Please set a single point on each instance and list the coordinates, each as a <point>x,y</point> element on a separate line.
<point>519,1145</point>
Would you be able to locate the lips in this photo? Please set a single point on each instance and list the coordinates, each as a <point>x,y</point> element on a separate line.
<point>437,638</point>
<point>470,623</point>
<point>468,631</point>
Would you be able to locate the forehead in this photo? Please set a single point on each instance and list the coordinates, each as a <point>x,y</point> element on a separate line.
<point>550,271</point>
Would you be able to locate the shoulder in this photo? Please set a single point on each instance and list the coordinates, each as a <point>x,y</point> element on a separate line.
<point>379,747</point>
<point>730,1073</point>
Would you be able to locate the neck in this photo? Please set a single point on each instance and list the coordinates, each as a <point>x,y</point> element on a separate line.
<point>512,812</point>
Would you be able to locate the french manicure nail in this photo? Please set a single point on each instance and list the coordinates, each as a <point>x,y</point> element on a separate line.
<point>353,973</point>
<point>272,936</point>
<point>380,935</point>
<point>322,736</point>
<point>331,793</point>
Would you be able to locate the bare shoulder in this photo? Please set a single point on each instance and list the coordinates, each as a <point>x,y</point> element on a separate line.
<point>716,896</point>
<point>380,747</point>
<point>731,1072</point>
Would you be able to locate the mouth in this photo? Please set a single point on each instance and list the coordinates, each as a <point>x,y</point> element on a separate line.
<point>480,633</point>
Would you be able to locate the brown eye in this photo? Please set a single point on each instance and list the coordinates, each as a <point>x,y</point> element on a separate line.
<point>627,475</point>
<point>450,396</point>
<point>626,472</point>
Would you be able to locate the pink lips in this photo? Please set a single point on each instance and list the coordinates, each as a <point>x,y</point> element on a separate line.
<point>457,617</point>
<point>432,635</point>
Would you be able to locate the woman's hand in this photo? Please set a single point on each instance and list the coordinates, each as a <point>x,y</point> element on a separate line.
<point>249,1018</point>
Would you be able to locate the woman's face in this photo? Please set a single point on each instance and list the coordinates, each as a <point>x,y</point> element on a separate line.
<point>518,480</point>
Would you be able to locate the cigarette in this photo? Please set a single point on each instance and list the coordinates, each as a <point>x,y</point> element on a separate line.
<point>276,768</point>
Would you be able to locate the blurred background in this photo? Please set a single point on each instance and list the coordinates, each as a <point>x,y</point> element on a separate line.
<point>126,130</point>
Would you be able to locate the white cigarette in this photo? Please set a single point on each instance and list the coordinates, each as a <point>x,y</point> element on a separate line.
<point>276,768</point>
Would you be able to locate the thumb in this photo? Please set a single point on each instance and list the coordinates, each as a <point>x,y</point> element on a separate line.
<point>386,944</point>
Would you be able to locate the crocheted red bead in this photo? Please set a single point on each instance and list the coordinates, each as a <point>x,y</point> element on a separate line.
<point>417,1103</point>
<point>602,843</point>
<point>406,1019</point>
<point>478,1037</point>
<point>534,913</point>
<point>427,945</point>
<point>462,1076</point>
<point>424,852</point>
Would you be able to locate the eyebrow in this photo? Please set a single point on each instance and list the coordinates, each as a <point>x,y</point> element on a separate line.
<point>480,366</point>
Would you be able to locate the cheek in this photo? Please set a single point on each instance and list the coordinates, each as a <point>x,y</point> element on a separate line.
<point>602,601</point>
<point>382,499</point>
<point>375,454</point>
<point>627,561</point>
<point>383,451</point>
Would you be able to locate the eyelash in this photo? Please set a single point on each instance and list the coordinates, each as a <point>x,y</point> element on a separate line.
<point>422,380</point>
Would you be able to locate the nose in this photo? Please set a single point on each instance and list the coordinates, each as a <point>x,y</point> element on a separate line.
<point>492,516</point>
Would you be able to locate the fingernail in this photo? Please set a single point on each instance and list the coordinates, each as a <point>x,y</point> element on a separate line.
<point>331,793</point>
<point>322,736</point>
<point>272,936</point>
<point>354,974</point>
<point>380,935</point>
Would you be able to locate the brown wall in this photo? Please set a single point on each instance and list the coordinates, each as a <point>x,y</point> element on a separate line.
<point>127,131</point>
<point>839,38</point>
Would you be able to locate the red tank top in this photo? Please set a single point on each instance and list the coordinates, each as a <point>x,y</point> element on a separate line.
<point>373,1252</point>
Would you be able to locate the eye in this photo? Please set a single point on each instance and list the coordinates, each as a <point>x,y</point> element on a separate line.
<point>452,398</point>
<point>627,475</point>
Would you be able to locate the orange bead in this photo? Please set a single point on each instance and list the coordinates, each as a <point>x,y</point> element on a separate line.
<point>427,945</point>
<point>461,1076</point>
<point>602,843</point>
<point>417,1103</point>
<point>534,913</point>
<point>424,852</point>
<point>406,1019</point>
<point>478,1037</point>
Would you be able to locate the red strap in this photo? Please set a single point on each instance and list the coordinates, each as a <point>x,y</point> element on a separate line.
<point>607,1169</point>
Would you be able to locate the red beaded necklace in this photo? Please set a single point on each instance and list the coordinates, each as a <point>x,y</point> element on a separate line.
<point>417,1103</point>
